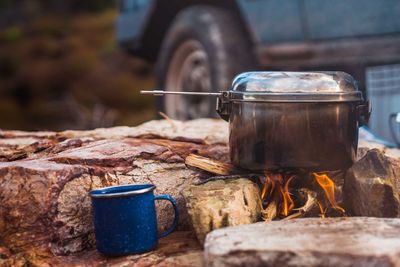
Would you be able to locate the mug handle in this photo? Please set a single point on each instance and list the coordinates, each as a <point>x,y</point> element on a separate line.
<point>176,218</point>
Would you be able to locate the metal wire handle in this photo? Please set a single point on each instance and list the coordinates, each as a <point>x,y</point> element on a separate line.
<point>161,92</point>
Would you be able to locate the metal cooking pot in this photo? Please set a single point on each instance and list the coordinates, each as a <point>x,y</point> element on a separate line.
<point>291,120</point>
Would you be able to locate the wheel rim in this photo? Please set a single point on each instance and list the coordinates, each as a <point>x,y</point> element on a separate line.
<point>188,70</point>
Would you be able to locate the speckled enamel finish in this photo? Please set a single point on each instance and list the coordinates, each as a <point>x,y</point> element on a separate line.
<point>125,219</point>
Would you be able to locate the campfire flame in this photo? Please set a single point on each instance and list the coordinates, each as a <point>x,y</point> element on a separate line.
<point>266,187</point>
<point>280,183</point>
<point>329,189</point>
<point>275,194</point>
<point>288,203</point>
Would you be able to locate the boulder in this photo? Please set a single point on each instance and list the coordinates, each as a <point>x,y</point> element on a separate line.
<point>44,190</point>
<point>371,187</point>
<point>222,203</point>
<point>349,242</point>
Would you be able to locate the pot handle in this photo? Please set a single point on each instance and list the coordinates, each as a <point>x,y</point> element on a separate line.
<point>363,112</point>
<point>223,107</point>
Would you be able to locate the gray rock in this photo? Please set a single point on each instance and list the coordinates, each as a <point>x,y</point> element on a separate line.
<point>357,241</point>
<point>370,187</point>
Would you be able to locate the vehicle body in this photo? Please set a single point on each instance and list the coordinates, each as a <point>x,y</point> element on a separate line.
<point>355,36</point>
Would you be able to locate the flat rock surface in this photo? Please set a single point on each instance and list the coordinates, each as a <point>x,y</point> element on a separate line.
<point>356,241</point>
<point>45,177</point>
<point>178,249</point>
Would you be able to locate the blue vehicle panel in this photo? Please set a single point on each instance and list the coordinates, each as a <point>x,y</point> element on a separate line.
<point>132,18</point>
<point>351,18</point>
<point>274,21</point>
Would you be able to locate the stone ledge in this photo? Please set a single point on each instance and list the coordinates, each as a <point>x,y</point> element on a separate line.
<point>355,241</point>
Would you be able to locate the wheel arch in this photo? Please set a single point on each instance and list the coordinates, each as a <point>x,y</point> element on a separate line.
<point>163,15</point>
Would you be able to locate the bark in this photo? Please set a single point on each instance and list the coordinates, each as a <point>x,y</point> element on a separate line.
<point>357,241</point>
<point>223,203</point>
<point>44,190</point>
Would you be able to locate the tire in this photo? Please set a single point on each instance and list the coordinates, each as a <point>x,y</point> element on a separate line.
<point>203,50</point>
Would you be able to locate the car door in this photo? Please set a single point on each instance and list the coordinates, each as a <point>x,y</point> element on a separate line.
<point>274,21</point>
<point>327,19</point>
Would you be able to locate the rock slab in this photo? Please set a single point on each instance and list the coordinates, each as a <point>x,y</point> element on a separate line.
<point>349,242</point>
<point>45,177</point>
<point>222,203</point>
<point>179,249</point>
<point>371,187</point>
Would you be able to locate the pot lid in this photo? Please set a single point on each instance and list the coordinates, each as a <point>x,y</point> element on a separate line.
<point>295,87</point>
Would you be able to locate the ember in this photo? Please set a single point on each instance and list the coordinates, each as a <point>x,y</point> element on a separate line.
<point>277,198</point>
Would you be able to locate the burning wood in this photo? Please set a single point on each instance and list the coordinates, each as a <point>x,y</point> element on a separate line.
<point>278,196</point>
<point>281,182</point>
<point>270,199</point>
<point>310,203</point>
<point>276,186</point>
<point>270,213</point>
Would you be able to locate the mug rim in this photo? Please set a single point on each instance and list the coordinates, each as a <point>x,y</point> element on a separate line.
<point>107,192</point>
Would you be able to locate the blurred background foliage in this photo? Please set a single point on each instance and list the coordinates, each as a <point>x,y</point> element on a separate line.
<point>60,68</point>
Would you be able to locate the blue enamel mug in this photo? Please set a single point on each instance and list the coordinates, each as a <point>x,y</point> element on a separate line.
<point>125,219</point>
